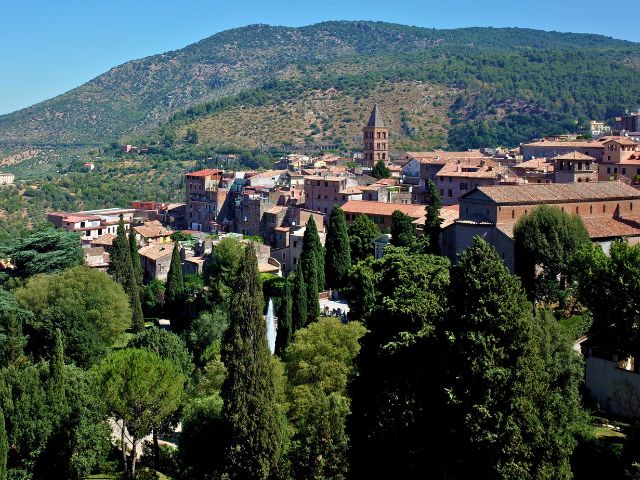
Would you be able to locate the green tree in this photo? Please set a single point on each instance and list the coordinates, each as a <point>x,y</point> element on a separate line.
<point>312,260</point>
<point>512,396</point>
<point>362,232</point>
<point>45,251</point>
<point>207,329</point>
<point>4,447</point>
<point>299,297</point>
<point>140,390</point>
<point>285,320</point>
<point>250,410</point>
<point>433,222</point>
<point>221,270</point>
<point>393,402</point>
<point>174,288</point>
<point>360,291</point>
<point>191,136</point>
<point>56,369</point>
<point>319,363</point>
<point>120,266</point>
<point>380,170</point>
<point>137,317</point>
<point>91,310</point>
<point>544,242</point>
<point>338,250</point>
<point>403,231</point>
<point>13,320</point>
<point>135,258</point>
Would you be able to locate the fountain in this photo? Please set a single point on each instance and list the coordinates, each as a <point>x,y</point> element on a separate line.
<point>271,327</point>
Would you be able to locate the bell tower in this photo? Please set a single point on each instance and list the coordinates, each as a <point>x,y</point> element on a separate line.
<point>376,140</point>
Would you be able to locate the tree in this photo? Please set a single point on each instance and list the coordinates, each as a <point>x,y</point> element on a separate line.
<point>120,265</point>
<point>137,317</point>
<point>140,390</point>
<point>13,320</point>
<point>299,297</point>
<point>135,258</point>
<point>91,310</point>
<point>600,278</point>
<point>511,397</point>
<point>380,170</point>
<point>312,260</point>
<point>403,231</point>
<point>191,136</point>
<point>250,411</point>
<point>362,232</point>
<point>319,363</point>
<point>4,447</point>
<point>45,251</point>
<point>174,288</point>
<point>56,369</point>
<point>360,291</point>
<point>433,222</point>
<point>393,401</point>
<point>221,269</point>
<point>544,241</point>
<point>285,320</point>
<point>207,329</point>
<point>338,250</point>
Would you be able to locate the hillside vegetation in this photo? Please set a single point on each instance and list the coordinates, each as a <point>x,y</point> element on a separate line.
<point>500,72</point>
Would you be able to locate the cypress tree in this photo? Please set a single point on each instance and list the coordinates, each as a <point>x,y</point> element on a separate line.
<point>4,447</point>
<point>56,370</point>
<point>338,251</point>
<point>403,232</point>
<point>312,260</point>
<point>137,318</point>
<point>285,320</point>
<point>174,289</point>
<point>121,266</point>
<point>135,257</point>
<point>432,225</point>
<point>299,299</point>
<point>250,410</point>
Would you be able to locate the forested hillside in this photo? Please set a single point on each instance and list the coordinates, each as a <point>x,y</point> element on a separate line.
<point>526,81</point>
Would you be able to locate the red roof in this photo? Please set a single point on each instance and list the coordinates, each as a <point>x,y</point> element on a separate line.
<point>205,173</point>
<point>385,209</point>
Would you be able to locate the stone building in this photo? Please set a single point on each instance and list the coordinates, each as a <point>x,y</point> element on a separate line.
<point>575,167</point>
<point>322,192</point>
<point>205,199</point>
<point>375,136</point>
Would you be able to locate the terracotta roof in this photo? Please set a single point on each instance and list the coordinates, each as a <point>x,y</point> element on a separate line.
<point>155,251</point>
<point>205,173</point>
<point>93,251</point>
<point>566,144</point>
<point>351,191</point>
<point>275,209</point>
<point>267,267</point>
<point>535,164</point>
<point>106,239</point>
<point>449,214</point>
<point>80,218</point>
<point>152,230</point>
<point>446,155</point>
<point>597,227</point>
<point>384,209</point>
<point>538,193</point>
<point>473,171</point>
<point>573,156</point>
<point>326,179</point>
<point>621,141</point>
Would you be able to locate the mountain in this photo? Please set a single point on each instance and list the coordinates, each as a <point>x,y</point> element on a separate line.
<point>451,70</point>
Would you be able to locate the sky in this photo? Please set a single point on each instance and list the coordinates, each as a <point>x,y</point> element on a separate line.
<point>49,47</point>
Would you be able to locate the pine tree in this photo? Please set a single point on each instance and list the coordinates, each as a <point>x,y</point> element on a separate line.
<point>135,258</point>
<point>312,260</point>
<point>250,410</point>
<point>299,299</point>
<point>338,250</point>
<point>285,320</point>
<point>56,370</point>
<point>4,447</point>
<point>174,289</point>
<point>432,225</point>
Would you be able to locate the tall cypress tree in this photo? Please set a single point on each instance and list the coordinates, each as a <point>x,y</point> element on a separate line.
<point>137,318</point>
<point>250,410</point>
<point>432,225</point>
<point>285,319</point>
<point>121,266</point>
<point>174,288</point>
<point>312,260</point>
<point>338,250</point>
<point>135,257</point>
<point>299,299</point>
<point>4,447</point>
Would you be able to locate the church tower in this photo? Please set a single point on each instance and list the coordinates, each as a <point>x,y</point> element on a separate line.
<point>376,140</point>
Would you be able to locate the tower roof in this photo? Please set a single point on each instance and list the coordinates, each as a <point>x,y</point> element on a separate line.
<point>375,120</point>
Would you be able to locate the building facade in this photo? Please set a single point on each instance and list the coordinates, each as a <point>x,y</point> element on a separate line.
<point>375,136</point>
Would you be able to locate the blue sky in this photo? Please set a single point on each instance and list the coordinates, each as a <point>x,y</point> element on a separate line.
<point>49,47</point>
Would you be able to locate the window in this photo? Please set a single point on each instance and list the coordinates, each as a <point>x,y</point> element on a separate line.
<point>604,208</point>
<point>449,193</point>
<point>624,171</point>
<point>284,255</point>
<point>295,244</point>
<point>631,206</point>
<point>590,208</point>
<point>463,186</point>
<point>513,214</point>
<point>576,210</point>
<point>608,169</point>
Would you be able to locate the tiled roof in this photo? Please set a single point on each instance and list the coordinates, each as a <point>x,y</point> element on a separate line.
<point>449,214</point>
<point>538,193</point>
<point>205,173</point>
<point>535,164</point>
<point>446,155</point>
<point>622,141</point>
<point>106,239</point>
<point>351,191</point>
<point>326,179</point>
<point>597,227</point>
<point>275,209</point>
<point>574,156</point>
<point>384,209</point>
<point>155,251</point>
<point>74,218</point>
<point>472,171</point>
<point>152,230</point>
<point>566,144</point>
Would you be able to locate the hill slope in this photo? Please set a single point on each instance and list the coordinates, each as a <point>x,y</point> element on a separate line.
<point>138,95</point>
